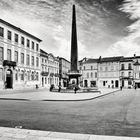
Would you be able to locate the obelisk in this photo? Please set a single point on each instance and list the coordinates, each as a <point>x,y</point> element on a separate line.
<point>74,73</point>
<point>74,47</point>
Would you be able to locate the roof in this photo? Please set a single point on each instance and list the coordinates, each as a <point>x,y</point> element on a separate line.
<point>20,30</point>
<point>43,53</point>
<point>127,59</point>
<point>110,59</point>
<point>91,61</point>
<point>64,59</point>
<point>136,63</point>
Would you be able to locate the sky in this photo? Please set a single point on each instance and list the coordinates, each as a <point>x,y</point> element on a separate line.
<point>104,27</point>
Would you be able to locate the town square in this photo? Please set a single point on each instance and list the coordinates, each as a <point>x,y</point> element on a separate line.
<point>69,69</point>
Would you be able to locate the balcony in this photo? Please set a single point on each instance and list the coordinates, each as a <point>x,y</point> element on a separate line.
<point>126,77</point>
<point>9,63</point>
<point>43,73</point>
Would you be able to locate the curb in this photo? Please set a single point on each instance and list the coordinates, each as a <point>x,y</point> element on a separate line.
<point>52,100</point>
<point>83,99</point>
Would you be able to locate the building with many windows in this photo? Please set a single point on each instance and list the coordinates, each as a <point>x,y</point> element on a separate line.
<point>89,73</point>
<point>112,72</point>
<point>49,69</point>
<point>64,67</point>
<point>108,72</point>
<point>19,57</point>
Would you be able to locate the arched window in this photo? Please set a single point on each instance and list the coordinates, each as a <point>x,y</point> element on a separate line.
<point>32,76</point>
<point>37,76</point>
<point>22,75</point>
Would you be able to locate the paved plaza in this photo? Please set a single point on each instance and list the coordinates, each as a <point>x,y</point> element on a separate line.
<point>116,114</point>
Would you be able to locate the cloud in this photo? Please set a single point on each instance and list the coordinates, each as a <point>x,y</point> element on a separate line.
<point>130,44</point>
<point>50,20</point>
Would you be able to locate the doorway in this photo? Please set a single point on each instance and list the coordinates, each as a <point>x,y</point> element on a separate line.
<point>9,79</point>
<point>116,84</point>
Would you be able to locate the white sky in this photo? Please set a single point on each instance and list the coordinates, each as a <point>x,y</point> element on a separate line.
<point>101,28</point>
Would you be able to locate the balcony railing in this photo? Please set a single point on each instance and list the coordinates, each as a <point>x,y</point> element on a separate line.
<point>9,63</point>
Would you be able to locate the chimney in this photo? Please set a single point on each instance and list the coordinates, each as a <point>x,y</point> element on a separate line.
<point>134,55</point>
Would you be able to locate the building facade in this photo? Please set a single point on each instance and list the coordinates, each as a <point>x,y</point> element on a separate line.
<point>112,72</point>
<point>19,57</point>
<point>89,73</point>
<point>108,72</point>
<point>49,69</point>
<point>64,67</point>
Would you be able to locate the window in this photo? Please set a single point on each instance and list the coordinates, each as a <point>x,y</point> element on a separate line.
<point>9,54</point>
<point>87,75</point>
<point>33,45</point>
<point>91,67</point>
<point>1,74</point>
<point>84,67</point>
<point>9,35</point>
<point>22,40</point>
<point>16,56</point>
<point>16,38</point>
<point>95,74</point>
<point>16,75</point>
<point>101,68</point>
<point>32,60</point>
<point>28,43</point>
<point>22,75</point>
<point>112,68</point>
<point>1,54</point>
<point>91,75</point>
<point>32,76</point>
<point>28,60</point>
<point>37,47</point>
<point>106,68</point>
<point>37,76</point>
<point>42,60</point>
<point>22,58</point>
<point>129,74</point>
<point>1,32</point>
<point>129,66</point>
<point>28,73</point>
<point>37,62</point>
<point>122,73</point>
<point>122,67</point>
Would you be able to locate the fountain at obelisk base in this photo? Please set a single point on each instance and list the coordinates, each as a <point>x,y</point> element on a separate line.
<point>74,74</point>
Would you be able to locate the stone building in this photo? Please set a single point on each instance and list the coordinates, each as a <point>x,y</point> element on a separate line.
<point>49,69</point>
<point>89,73</point>
<point>64,67</point>
<point>19,57</point>
<point>112,72</point>
<point>126,72</point>
<point>108,72</point>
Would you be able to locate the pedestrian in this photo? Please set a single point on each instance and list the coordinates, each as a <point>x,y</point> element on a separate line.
<point>36,86</point>
<point>135,87</point>
<point>59,88</point>
<point>120,87</point>
<point>75,89</point>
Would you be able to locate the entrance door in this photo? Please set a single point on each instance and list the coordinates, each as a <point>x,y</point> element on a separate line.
<point>9,79</point>
<point>42,82</point>
<point>122,83</point>
<point>85,83</point>
<point>116,84</point>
